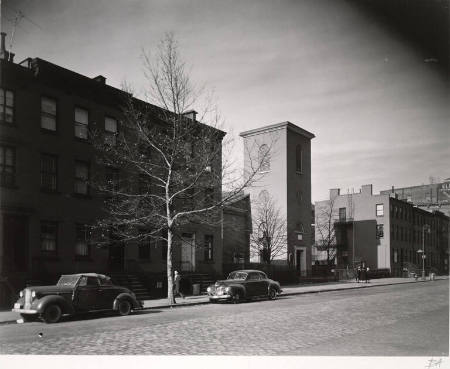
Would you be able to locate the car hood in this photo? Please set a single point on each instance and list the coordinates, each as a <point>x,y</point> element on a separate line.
<point>51,289</point>
<point>227,282</point>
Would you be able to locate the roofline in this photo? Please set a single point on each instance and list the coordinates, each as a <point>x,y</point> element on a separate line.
<point>277,126</point>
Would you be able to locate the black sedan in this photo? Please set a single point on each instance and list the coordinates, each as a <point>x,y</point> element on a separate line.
<point>244,285</point>
<point>74,293</point>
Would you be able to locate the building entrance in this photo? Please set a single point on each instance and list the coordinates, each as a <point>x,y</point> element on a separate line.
<point>188,252</point>
<point>15,243</point>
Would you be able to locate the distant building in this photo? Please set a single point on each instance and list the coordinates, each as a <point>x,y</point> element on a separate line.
<point>286,176</point>
<point>433,196</point>
<point>385,232</point>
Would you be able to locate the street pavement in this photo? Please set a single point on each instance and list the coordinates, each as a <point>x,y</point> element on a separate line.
<point>7,317</point>
<point>393,319</point>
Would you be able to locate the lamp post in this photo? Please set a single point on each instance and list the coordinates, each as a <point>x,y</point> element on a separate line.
<point>427,227</point>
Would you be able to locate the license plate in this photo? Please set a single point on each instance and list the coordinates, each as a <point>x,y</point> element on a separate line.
<point>16,305</point>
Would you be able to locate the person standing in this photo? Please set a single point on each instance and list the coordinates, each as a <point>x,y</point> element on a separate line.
<point>176,285</point>
<point>358,274</point>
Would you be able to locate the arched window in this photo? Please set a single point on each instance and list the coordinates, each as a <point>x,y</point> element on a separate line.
<point>264,158</point>
<point>299,159</point>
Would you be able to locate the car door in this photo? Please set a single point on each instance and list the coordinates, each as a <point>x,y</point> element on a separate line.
<point>253,284</point>
<point>107,293</point>
<point>86,294</point>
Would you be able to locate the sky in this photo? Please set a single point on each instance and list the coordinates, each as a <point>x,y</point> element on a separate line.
<point>375,96</point>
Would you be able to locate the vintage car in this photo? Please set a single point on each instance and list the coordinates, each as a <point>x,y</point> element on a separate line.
<point>74,293</point>
<point>243,285</point>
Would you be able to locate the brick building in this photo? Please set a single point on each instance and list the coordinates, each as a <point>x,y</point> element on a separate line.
<point>385,232</point>
<point>46,163</point>
<point>286,176</point>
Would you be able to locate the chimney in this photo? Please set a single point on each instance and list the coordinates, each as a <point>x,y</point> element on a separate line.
<point>366,190</point>
<point>11,57</point>
<point>191,114</point>
<point>334,192</point>
<point>100,79</point>
<point>3,53</point>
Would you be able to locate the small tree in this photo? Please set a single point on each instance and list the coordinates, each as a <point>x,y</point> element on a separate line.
<point>174,171</point>
<point>325,230</point>
<point>269,238</point>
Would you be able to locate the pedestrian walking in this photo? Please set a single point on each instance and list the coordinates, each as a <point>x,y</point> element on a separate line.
<point>367,275</point>
<point>358,274</point>
<point>176,285</point>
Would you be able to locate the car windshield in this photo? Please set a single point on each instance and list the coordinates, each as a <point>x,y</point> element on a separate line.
<point>68,280</point>
<point>237,275</point>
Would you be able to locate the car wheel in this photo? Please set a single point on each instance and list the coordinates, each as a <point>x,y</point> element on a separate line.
<point>28,317</point>
<point>272,294</point>
<point>52,314</point>
<point>124,307</point>
<point>236,298</point>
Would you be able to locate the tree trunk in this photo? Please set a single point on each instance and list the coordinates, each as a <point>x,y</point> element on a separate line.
<point>170,295</point>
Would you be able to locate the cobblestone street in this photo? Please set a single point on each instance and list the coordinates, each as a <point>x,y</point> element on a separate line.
<point>409,320</point>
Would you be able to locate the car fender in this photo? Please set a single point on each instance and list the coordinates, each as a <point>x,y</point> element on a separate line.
<point>238,288</point>
<point>125,296</point>
<point>274,285</point>
<point>43,302</point>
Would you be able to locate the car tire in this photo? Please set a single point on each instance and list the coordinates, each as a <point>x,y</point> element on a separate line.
<point>236,298</point>
<point>28,317</point>
<point>124,307</point>
<point>52,314</point>
<point>272,294</point>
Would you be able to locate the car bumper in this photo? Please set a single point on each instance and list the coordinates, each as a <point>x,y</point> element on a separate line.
<point>25,311</point>
<point>220,297</point>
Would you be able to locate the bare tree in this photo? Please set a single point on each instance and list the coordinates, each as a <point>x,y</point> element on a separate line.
<point>269,237</point>
<point>326,216</point>
<point>174,171</point>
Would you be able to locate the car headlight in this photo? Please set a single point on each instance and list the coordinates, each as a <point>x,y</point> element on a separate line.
<point>21,293</point>
<point>227,289</point>
<point>33,294</point>
<point>208,289</point>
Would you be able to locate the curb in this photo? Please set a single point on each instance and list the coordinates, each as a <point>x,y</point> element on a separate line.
<point>283,294</point>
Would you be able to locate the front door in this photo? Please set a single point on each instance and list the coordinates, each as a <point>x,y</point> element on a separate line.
<point>187,252</point>
<point>298,260</point>
<point>15,243</point>
<point>116,258</point>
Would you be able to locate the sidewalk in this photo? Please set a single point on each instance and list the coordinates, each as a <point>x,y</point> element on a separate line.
<point>288,290</point>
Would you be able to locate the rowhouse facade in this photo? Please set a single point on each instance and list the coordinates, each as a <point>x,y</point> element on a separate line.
<point>47,163</point>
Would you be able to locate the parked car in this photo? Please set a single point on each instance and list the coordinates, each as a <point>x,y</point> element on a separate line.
<point>74,293</point>
<point>244,285</point>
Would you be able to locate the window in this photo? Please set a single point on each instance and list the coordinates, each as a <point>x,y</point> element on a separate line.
<point>209,247</point>
<point>299,159</point>
<point>110,131</point>
<point>81,177</point>
<point>82,240</point>
<point>81,123</point>
<point>342,214</point>
<point>144,250</point>
<point>49,173</point>
<point>395,256</point>
<point>264,158</point>
<point>7,166</point>
<point>48,114</point>
<point>380,230</point>
<point>6,106</point>
<point>49,233</point>
<point>112,179</point>
<point>299,231</point>
<point>379,210</point>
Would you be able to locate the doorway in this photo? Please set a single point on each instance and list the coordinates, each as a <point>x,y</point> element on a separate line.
<point>116,258</point>
<point>300,260</point>
<point>15,243</point>
<point>188,252</point>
